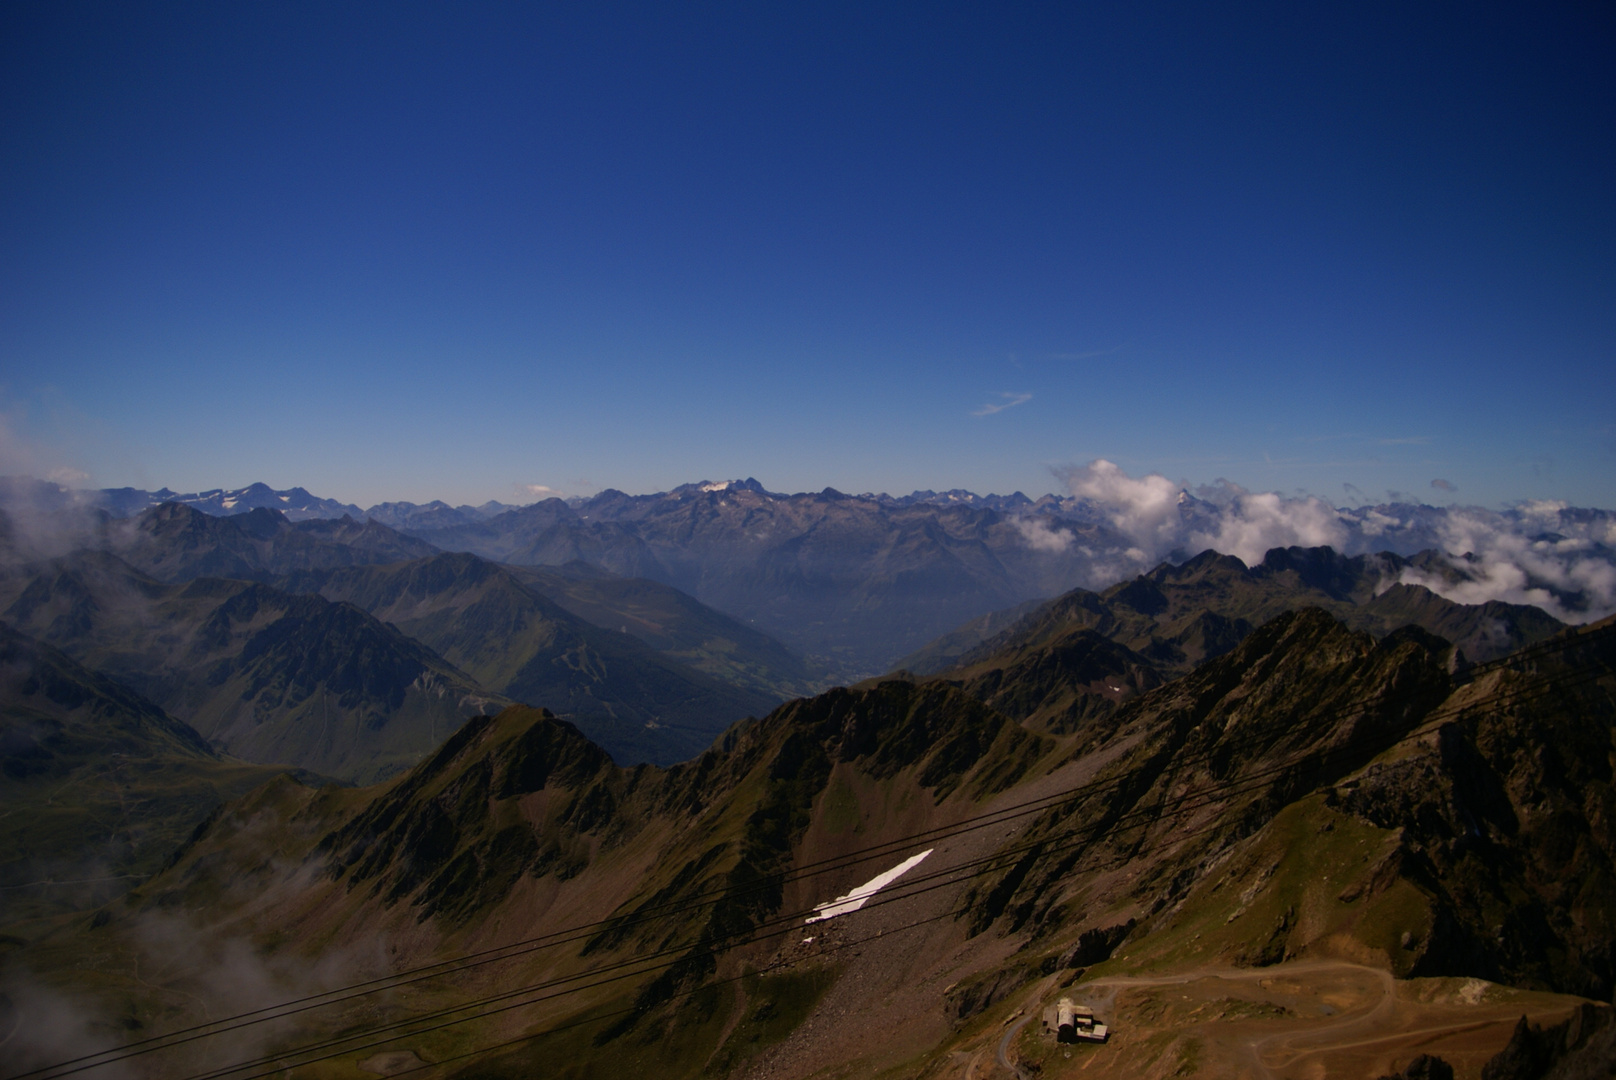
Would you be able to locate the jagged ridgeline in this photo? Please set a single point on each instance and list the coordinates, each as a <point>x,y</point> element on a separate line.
<point>1311,795</point>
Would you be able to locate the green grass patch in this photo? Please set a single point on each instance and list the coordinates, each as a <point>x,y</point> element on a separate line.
<point>1311,874</point>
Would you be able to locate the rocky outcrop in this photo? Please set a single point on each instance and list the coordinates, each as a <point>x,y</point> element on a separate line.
<point>1581,1047</point>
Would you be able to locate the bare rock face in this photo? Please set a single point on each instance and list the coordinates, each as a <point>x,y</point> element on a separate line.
<point>1507,826</point>
<point>1581,1047</point>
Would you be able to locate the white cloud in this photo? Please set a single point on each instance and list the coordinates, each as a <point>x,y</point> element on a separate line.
<point>1257,521</point>
<point>1040,536</point>
<point>1161,517</point>
<point>1145,510</point>
<point>1006,401</point>
<point>1542,553</point>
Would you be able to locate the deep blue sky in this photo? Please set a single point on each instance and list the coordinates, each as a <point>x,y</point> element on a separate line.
<point>413,251</point>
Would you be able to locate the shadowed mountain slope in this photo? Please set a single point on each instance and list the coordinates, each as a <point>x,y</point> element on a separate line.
<point>638,703</point>
<point>518,822</point>
<point>97,784</point>
<point>1058,683</point>
<point>265,675</point>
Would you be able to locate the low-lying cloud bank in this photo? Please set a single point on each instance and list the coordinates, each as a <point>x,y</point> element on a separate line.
<point>1548,554</point>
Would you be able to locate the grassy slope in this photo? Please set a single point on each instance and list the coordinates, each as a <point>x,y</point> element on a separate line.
<point>519,822</point>
<point>1486,842</point>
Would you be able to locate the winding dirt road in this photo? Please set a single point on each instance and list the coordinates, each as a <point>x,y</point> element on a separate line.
<point>1373,1021</point>
<point>1004,1046</point>
<point>1260,1052</point>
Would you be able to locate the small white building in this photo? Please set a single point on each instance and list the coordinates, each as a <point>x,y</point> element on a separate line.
<point>1074,1023</point>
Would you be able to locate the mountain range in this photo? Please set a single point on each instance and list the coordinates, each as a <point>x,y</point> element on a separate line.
<point>508,634</point>
<point>854,583</point>
<point>1183,615</point>
<point>296,503</point>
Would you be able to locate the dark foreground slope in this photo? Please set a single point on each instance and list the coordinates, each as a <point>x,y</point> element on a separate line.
<point>1314,790</point>
<point>1312,799</point>
<point>97,785</point>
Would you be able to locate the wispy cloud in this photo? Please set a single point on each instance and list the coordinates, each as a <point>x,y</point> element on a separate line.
<point>1444,485</point>
<point>1040,536</point>
<point>1007,401</point>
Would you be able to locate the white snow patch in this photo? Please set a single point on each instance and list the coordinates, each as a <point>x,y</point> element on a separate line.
<point>717,487</point>
<point>855,899</point>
